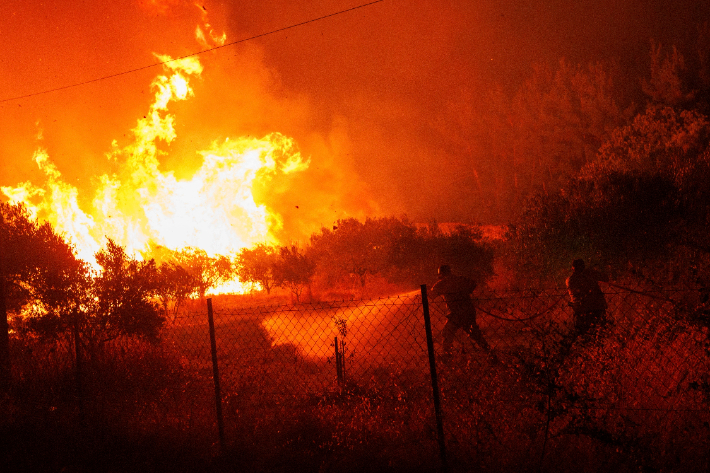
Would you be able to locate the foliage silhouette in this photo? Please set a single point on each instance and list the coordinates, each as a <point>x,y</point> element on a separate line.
<point>294,270</point>
<point>257,265</point>
<point>206,271</point>
<point>125,293</point>
<point>645,197</point>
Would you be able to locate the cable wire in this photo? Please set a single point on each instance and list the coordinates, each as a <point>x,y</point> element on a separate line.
<point>131,71</point>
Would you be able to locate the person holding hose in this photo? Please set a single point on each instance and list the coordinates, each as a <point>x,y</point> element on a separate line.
<point>586,299</point>
<point>456,291</point>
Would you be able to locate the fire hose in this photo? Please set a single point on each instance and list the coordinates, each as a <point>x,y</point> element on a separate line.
<point>642,293</point>
<point>542,312</point>
<point>524,319</point>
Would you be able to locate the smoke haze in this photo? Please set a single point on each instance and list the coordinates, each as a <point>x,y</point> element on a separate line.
<point>380,98</point>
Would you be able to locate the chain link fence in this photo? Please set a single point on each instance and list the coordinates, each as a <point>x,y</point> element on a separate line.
<point>631,395</point>
<point>345,385</point>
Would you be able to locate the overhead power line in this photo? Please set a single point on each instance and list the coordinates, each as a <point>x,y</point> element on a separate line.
<point>131,71</point>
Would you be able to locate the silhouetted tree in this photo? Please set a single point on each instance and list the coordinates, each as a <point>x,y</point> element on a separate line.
<point>257,265</point>
<point>174,286</point>
<point>357,248</point>
<point>560,119</point>
<point>294,270</point>
<point>398,250</point>
<point>38,262</point>
<point>207,271</point>
<point>550,128</point>
<point>41,276</point>
<point>644,197</point>
<point>416,257</point>
<point>669,79</point>
<point>125,292</point>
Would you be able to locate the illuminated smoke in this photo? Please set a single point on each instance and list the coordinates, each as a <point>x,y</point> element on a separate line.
<point>140,205</point>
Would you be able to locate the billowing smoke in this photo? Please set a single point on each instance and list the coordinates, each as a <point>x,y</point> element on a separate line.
<point>385,101</point>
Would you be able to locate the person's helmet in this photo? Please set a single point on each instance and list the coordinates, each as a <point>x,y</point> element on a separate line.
<point>444,270</point>
<point>578,264</point>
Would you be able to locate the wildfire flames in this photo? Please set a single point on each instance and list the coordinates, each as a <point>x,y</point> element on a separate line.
<point>139,205</point>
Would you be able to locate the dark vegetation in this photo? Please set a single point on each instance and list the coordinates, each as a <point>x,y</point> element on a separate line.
<point>622,186</point>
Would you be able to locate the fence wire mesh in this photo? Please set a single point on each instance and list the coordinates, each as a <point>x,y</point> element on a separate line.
<point>345,369</point>
<point>348,382</point>
<point>631,395</point>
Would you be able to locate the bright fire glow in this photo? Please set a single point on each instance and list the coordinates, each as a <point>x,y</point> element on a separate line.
<point>377,330</point>
<point>140,205</point>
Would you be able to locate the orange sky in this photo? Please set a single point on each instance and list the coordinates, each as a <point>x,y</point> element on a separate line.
<point>370,95</point>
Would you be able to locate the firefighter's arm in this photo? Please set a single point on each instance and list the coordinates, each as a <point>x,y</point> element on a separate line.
<point>434,292</point>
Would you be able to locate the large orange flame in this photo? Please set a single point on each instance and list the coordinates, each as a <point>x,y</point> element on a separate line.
<point>140,205</point>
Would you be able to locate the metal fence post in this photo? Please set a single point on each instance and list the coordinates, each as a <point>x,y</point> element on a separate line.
<point>79,371</point>
<point>338,363</point>
<point>215,375</point>
<point>434,379</point>
<point>78,361</point>
<point>342,359</point>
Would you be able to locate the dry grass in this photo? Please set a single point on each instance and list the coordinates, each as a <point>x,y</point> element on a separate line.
<point>635,399</point>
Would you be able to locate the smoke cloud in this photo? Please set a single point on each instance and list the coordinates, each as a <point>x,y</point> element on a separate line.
<point>380,98</point>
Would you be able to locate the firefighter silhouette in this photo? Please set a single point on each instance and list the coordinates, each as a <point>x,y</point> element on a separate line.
<point>456,291</point>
